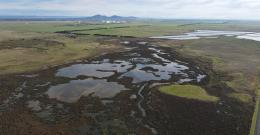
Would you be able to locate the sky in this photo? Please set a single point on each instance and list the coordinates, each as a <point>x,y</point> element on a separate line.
<point>169,9</point>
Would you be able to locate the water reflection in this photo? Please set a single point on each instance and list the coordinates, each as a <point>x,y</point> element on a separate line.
<point>100,70</point>
<point>255,36</point>
<point>75,89</point>
<point>214,34</point>
<point>152,72</point>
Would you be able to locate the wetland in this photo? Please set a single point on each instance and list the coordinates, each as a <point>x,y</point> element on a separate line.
<point>116,93</point>
<point>65,78</point>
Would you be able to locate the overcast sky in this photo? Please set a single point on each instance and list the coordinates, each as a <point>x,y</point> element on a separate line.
<point>183,9</point>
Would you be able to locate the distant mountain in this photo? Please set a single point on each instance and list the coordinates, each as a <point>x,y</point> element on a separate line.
<point>66,18</point>
<point>113,18</point>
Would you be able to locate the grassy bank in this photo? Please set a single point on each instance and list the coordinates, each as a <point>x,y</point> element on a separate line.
<point>256,111</point>
<point>254,119</point>
<point>189,92</point>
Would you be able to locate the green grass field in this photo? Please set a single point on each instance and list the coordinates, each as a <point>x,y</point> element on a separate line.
<point>159,29</point>
<point>33,51</point>
<point>136,29</point>
<point>189,92</point>
<point>256,111</point>
<point>254,119</point>
<point>51,27</point>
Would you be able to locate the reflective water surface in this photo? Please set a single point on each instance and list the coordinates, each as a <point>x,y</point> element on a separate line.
<point>214,34</point>
<point>72,91</point>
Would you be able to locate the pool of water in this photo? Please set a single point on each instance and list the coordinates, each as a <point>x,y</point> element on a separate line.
<point>75,89</point>
<point>213,34</point>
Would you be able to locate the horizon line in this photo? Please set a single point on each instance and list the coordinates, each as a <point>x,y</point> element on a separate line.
<point>155,18</point>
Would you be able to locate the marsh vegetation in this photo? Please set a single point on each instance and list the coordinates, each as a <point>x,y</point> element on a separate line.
<point>69,78</point>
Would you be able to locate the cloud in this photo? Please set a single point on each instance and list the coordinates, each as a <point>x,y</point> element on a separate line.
<point>205,9</point>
